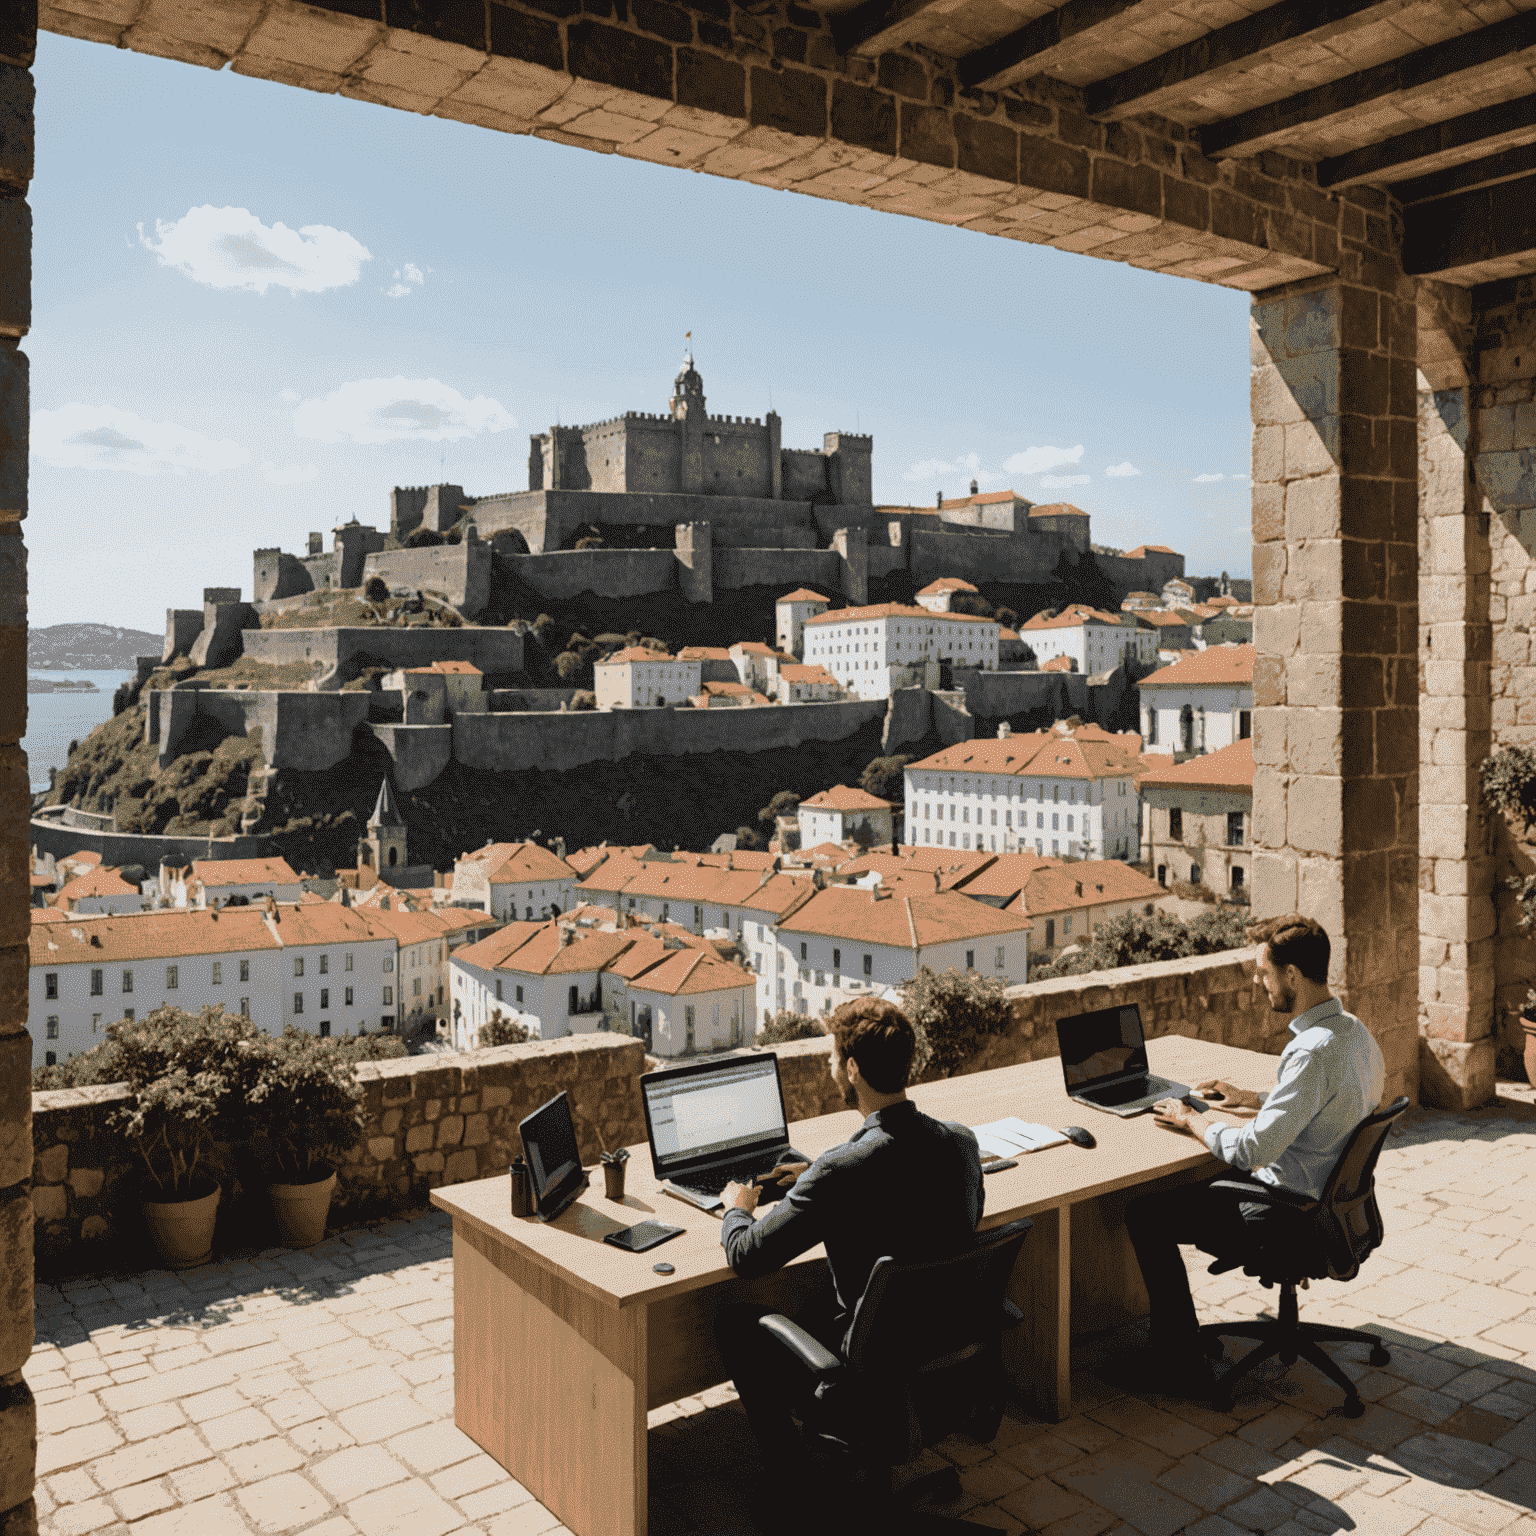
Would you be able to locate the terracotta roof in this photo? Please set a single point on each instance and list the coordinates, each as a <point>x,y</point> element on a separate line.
<point>449,668</point>
<point>244,872</point>
<point>739,858</point>
<point>1229,665</point>
<point>645,951</point>
<point>1229,768</point>
<point>899,919</point>
<point>1154,762</point>
<point>685,880</point>
<point>163,935</point>
<point>985,498</point>
<point>1130,595</point>
<point>1223,602</point>
<point>635,653</point>
<point>1058,664</point>
<point>803,595</point>
<point>1074,616</point>
<point>1142,549</point>
<point>535,949</point>
<point>893,611</point>
<point>1041,754</point>
<point>779,894</point>
<point>514,863</point>
<point>82,860</point>
<point>842,797</point>
<point>807,674</point>
<point>686,971</point>
<point>50,915</point>
<point>753,648</point>
<point>96,882</point>
<point>613,874</point>
<point>704,653</point>
<point>1005,876</point>
<point>1007,634</point>
<point>819,855</point>
<point>1088,883</point>
<point>419,927</point>
<point>729,690</point>
<point>1160,617</point>
<point>947,584</point>
<point>492,950</point>
<point>942,868</point>
<point>328,922</point>
<point>585,860</point>
<point>1057,509</point>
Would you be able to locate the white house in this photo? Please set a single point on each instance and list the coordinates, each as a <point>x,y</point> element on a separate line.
<point>1199,821</point>
<point>836,814</point>
<point>1094,640</point>
<point>696,1002</point>
<point>1177,593</point>
<point>873,650</point>
<point>511,880</point>
<point>1201,703</point>
<point>100,890</point>
<point>701,897</point>
<point>637,678</point>
<point>215,882</point>
<point>938,595</point>
<point>790,613</point>
<point>338,968</point>
<point>1067,903</point>
<point>1055,793</point>
<point>803,684</point>
<point>854,937</point>
<point>424,940</point>
<point>757,665</point>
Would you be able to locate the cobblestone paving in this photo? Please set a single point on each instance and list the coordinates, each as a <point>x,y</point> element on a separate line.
<point>313,1392</point>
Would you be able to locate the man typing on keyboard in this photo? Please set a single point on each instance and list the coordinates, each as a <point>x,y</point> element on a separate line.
<point>904,1184</point>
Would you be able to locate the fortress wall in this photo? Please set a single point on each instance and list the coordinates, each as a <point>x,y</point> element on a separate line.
<point>653,453</point>
<point>995,695</point>
<point>788,568</point>
<point>766,534</point>
<point>535,700</point>
<point>492,650</point>
<point>220,641</point>
<point>736,459</point>
<point>147,848</point>
<point>182,627</point>
<point>567,573</point>
<point>277,574</point>
<point>313,730</point>
<point>559,742</point>
<point>1144,575</point>
<point>885,559</point>
<point>805,474</point>
<point>419,752</point>
<point>461,572</point>
<point>324,569</point>
<point>908,717</point>
<point>982,557</point>
<point>523,512</point>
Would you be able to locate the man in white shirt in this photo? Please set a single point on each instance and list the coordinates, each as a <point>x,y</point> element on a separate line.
<point>1330,1078</point>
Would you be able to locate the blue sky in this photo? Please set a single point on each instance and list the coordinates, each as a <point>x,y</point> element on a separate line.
<point>256,309</point>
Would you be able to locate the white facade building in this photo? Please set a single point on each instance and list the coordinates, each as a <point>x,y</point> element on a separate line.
<point>1096,641</point>
<point>100,891</point>
<point>871,650</point>
<point>1048,793</point>
<point>514,880</point>
<point>937,596</point>
<point>790,613</point>
<point>836,814</point>
<point>214,882</point>
<point>1201,703</point>
<point>636,678</point>
<point>800,684</point>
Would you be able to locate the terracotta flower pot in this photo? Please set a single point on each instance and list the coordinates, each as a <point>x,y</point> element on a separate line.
<point>182,1230</point>
<point>301,1209</point>
<point>1528,1024</point>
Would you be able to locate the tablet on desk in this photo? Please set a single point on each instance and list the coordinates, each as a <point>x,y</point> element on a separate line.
<point>646,1234</point>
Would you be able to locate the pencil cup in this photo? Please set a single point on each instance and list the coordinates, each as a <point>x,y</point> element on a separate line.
<point>613,1180</point>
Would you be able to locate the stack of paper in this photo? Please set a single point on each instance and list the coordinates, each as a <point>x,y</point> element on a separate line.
<point>1011,1137</point>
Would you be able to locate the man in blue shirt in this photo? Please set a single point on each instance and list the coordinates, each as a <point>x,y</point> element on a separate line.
<point>904,1184</point>
<point>1330,1078</point>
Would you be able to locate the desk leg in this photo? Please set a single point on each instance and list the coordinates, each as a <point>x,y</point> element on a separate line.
<point>552,1384</point>
<point>1038,1353</point>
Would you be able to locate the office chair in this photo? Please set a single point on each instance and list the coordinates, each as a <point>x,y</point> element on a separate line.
<point>1341,1228</point>
<point>923,1358</point>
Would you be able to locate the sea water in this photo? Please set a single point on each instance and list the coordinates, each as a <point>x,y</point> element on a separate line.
<point>56,719</point>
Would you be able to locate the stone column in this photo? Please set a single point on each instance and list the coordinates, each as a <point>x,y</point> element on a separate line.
<point>18,1414</point>
<point>1335,586</point>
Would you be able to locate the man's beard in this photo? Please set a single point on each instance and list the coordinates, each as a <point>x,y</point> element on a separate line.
<point>1285,1001</point>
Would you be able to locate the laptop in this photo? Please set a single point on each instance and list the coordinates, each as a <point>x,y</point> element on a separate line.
<point>1104,1060</point>
<point>714,1123</point>
<point>554,1162</point>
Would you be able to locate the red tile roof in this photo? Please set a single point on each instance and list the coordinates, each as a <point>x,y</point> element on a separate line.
<point>704,653</point>
<point>162,935</point>
<point>900,919</point>
<point>1088,883</point>
<point>1059,664</point>
<point>842,797</point>
<point>448,669</point>
<point>244,872</point>
<point>892,611</point>
<point>1057,509</point>
<point>803,595</point>
<point>636,653</point>
<point>96,882</point>
<point>1074,616</point>
<point>1041,754</point>
<point>946,584</point>
<point>515,863</point>
<point>1229,768</point>
<point>536,949</point>
<point>1005,876</point>
<point>807,674</point>
<point>1160,617</point>
<point>1142,549</point>
<point>1216,665</point>
<point>683,972</point>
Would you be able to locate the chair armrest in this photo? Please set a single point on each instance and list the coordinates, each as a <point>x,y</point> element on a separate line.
<point>1266,1194</point>
<point>1012,1315</point>
<point>810,1352</point>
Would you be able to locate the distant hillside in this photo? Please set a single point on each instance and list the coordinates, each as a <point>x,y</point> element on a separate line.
<point>89,647</point>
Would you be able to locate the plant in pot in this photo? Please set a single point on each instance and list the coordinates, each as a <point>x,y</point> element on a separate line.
<point>306,1110</point>
<point>183,1073</point>
<point>1508,780</point>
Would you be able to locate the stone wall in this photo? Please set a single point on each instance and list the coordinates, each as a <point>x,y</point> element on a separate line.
<point>53,835</point>
<point>300,730</point>
<point>567,573</point>
<point>987,557</point>
<point>461,572</point>
<point>820,569</point>
<point>342,651</point>
<point>446,1119</point>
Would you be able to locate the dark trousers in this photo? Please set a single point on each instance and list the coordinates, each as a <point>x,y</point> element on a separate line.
<point>771,1384</point>
<point>1215,1221</point>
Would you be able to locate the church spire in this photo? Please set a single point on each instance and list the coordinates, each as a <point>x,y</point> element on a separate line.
<point>385,812</point>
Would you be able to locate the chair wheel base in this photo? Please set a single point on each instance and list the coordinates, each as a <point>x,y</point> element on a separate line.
<point>1352,1408</point>
<point>1379,1356</point>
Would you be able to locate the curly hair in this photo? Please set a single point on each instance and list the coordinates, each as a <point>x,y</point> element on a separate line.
<point>1294,940</point>
<point>877,1035</point>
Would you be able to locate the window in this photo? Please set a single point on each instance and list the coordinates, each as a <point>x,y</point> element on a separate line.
<point>53,1026</point>
<point>389,997</point>
<point>325,997</point>
<point>50,1058</point>
<point>999,962</point>
<point>51,985</point>
<point>698,917</point>
<point>869,965</point>
<point>348,996</point>
<point>218,974</point>
<point>298,1002</point>
<point>245,970</point>
<point>1070,827</point>
<point>96,984</point>
<point>1237,877</point>
<point>1234,829</point>
<point>1162,874</point>
<point>498,989</point>
<point>1055,822</point>
<point>415,987</point>
<point>95,1023</point>
<point>245,1007</point>
<point>1050,933</point>
<point>298,965</point>
<point>1039,820</point>
<point>688,1027</point>
<point>1244,724</point>
<point>519,994</point>
<point>127,981</point>
<point>389,963</point>
<point>1194,874</point>
<point>970,959</point>
<point>837,959</point>
<point>325,1028</point>
<point>802,951</point>
<point>1176,824</point>
<point>325,964</point>
<point>348,965</point>
<point>128,1014</point>
<point>1066,925</point>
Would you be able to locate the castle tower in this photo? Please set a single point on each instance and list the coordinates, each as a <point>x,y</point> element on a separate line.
<point>384,847</point>
<point>687,407</point>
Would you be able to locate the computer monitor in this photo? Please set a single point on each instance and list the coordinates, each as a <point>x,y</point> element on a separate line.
<point>714,1111</point>
<point>1100,1045</point>
<point>554,1161</point>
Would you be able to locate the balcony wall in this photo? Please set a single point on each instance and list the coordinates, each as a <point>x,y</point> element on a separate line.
<point>445,1119</point>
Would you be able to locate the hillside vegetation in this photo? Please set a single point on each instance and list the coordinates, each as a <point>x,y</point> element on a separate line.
<point>89,647</point>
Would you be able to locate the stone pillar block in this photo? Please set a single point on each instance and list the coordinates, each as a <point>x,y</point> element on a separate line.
<point>1456,1074</point>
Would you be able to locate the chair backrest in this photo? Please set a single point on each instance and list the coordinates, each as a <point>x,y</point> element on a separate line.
<point>1347,1218</point>
<point>915,1318</point>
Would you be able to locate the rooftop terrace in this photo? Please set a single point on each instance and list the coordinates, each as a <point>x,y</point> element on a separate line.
<point>283,1391</point>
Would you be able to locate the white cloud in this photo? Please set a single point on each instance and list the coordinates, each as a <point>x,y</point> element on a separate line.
<point>1034,461</point>
<point>409,278</point>
<point>928,469</point>
<point>398,410</point>
<point>79,436</point>
<point>289,396</point>
<point>1208,479</point>
<point>1061,482</point>
<point>232,248</point>
<point>1121,471</point>
<point>962,464</point>
<point>288,474</point>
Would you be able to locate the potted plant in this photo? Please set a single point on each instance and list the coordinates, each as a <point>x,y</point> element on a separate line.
<point>305,1111</point>
<point>183,1073</point>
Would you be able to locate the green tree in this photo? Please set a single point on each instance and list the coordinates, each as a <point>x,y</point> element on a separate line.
<point>954,1014</point>
<point>786,1025</point>
<point>499,1030</point>
<point>885,779</point>
<point>747,840</point>
<point>1136,939</point>
<point>785,803</point>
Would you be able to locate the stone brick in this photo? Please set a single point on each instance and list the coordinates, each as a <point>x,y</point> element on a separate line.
<point>517,35</point>
<point>905,75</point>
<point>450,1130</point>
<point>1456,1074</point>
<point>15,1108</point>
<point>864,117</point>
<point>1048,166</point>
<point>987,149</point>
<point>417,1139</point>
<point>927,135</point>
<point>18,1441</point>
<point>710,83</point>
<point>611,57</point>
<point>461,1167</point>
<point>791,100</point>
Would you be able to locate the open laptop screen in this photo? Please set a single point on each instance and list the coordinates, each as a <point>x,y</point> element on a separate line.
<point>1101,1045</point>
<point>696,1116</point>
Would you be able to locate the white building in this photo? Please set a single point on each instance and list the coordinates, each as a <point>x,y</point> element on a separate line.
<point>854,937</point>
<point>1094,640</point>
<point>801,684</point>
<point>1055,794</point>
<point>215,882</point>
<point>636,678</point>
<point>338,964</point>
<point>696,1002</point>
<point>1177,593</point>
<point>937,596</point>
<point>432,694</point>
<point>836,814</point>
<point>701,897</point>
<point>511,880</point>
<point>424,941</point>
<point>873,650</point>
<point>100,891</point>
<point>757,665</point>
<point>1068,903</point>
<point>790,613</point>
<point>1201,703</point>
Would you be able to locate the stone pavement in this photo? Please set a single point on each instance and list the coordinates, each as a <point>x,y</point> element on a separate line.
<point>313,1392</point>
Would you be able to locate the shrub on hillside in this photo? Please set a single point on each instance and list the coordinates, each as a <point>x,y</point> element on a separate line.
<point>584,698</point>
<point>785,1026</point>
<point>785,803</point>
<point>499,1030</point>
<point>885,779</point>
<point>747,840</point>
<point>1136,939</point>
<point>954,1014</point>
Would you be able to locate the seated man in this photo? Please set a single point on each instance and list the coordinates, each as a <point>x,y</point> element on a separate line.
<point>1330,1078</point>
<point>905,1185</point>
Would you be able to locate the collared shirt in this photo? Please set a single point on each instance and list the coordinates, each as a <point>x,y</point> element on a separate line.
<point>1331,1077</point>
<point>905,1185</point>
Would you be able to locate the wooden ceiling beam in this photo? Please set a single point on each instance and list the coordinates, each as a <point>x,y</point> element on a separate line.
<point>1032,49</point>
<point>1470,228</point>
<point>878,26</point>
<point>1504,166</point>
<point>1377,162</point>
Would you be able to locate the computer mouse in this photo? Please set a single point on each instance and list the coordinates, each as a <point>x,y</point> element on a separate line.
<point>1078,1136</point>
<point>662,1269</point>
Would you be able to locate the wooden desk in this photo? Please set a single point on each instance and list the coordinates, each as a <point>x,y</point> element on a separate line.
<point>562,1343</point>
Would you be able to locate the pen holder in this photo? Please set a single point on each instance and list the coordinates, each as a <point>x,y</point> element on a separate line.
<point>522,1189</point>
<point>613,1172</point>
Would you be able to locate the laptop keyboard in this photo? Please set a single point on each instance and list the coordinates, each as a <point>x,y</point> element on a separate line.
<point>711,1181</point>
<point>1122,1093</point>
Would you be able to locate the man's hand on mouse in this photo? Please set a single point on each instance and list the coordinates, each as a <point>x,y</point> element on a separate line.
<point>1176,1115</point>
<point>1223,1095</point>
